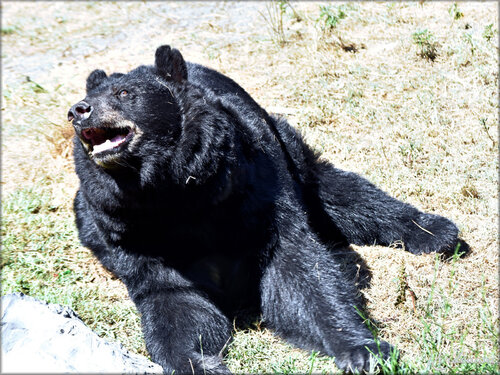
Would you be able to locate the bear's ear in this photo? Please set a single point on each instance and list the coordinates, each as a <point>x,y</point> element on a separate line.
<point>95,79</point>
<point>170,64</point>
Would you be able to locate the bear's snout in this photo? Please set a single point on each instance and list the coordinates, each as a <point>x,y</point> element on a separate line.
<point>80,111</point>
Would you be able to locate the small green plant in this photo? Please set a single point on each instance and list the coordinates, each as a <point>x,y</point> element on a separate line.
<point>488,33</point>
<point>331,16</point>
<point>8,30</point>
<point>403,289</point>
<point>425,40</point>
<point>455,12</point>
<point>275,12</point>
<point>36,87</point>
<point>410,152</point>
<point>467,38</point>
<point>484,124</point>
<point>354,97</point>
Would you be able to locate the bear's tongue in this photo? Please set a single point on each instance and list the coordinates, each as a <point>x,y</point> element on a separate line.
<point>109,144</point>
<point>103,140</point>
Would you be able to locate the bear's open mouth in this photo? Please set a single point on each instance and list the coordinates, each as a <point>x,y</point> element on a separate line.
<point>105,139</point>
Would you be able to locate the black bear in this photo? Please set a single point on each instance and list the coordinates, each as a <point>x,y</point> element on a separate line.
<point>204,205</point>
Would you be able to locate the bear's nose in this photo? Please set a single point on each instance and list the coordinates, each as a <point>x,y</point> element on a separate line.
<point>80,111</point>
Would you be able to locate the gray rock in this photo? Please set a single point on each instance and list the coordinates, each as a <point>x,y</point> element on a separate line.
<point>49,338</point>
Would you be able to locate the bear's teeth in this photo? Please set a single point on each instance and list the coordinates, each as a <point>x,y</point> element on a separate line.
<point>109,144</point>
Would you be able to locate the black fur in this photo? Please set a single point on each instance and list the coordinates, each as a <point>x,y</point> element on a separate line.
<point>215,206</point>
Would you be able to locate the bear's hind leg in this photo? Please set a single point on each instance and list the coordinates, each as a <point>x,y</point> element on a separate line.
<point>365,215</point>
<point>308,300</point>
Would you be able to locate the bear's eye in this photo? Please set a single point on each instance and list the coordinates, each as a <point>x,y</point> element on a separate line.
<point>123,93</point>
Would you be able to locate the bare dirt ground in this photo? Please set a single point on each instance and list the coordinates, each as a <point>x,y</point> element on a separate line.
<point>405,94</point>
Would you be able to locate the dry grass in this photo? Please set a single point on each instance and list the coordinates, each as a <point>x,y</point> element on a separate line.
<point>425,131</point>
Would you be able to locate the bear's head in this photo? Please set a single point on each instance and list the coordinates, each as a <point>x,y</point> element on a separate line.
<point>124,113</point>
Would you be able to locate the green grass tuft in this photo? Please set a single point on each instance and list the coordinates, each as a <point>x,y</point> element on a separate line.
<point>428,47</point>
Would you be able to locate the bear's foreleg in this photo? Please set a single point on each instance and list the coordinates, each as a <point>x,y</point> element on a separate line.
<point>183,330</point>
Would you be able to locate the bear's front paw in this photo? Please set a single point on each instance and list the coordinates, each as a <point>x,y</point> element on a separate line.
<point>364,357</point>
<point>433,233</point>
